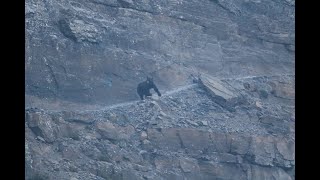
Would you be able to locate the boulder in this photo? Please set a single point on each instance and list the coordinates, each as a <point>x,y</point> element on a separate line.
<point>219,92</point>
<point>262,151</point>
<point>113,132</point>
<point>189,165</point>
<point>143,135</point>
<point>42,125</point>
<point>108,130</point>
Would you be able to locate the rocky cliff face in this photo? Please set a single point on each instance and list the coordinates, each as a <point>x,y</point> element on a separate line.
<point>96,51</point>
<point>186,134</point>
<point>84,59</point>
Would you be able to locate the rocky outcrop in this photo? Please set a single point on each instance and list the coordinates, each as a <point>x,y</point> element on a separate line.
<point>42,126</point>
<point>219,92</point>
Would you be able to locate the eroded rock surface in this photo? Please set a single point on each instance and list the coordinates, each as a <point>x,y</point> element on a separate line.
<point>96,51</point>
<point>166,139</point>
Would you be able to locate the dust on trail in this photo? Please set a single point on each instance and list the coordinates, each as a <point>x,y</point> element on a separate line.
<point>167,93</point>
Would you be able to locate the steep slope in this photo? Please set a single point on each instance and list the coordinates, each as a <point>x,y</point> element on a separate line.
<point>85,58</point>
<point>186,134</point>
<point>96,51</point>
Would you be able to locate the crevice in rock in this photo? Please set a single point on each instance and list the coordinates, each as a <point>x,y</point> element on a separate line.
<point>127,6</point>
<point>187,20</point>
<point>52,74</point>
<point>37,131</point>
<point>80,121</point>
<point>124,5</point>
<point>219,4</point>
<point>268,40</point>
<point>180,140</point>
<point>225,8</point>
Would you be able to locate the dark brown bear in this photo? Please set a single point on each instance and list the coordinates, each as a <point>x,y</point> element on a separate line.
<point>143,88</point>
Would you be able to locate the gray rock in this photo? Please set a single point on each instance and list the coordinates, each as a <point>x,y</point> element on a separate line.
<point>40,138</point>
<point>105,170</point>
<point>216,171</point>
<point>189,165</point>
<point>113,132</point>
<point>203,123</point>
<point>164,163</point>
<point>143,135</point>
<point>146,141</point>
<point>166,139</point>
<point>217,88</point>
<point>258,172</point>
<point>192,123</point>
<point>223,157</point>
<point>70,131</point>
<point>263,94</point>
<point>219,142</point>
<point>275,124</point>
<point>258,104</point>
<point>194,141</point>
<point>108,130</point>
<point>286,149</point>
<point>262,150</point>
<point>78,117</point>
<point>41,124</point>
<point>240,144</point>
<point>181,153</point>
<point>83,31</point>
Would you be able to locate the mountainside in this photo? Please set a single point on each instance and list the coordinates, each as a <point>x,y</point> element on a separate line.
<point>186,134</point>
<point>225,68</point>
<point>96,51</point>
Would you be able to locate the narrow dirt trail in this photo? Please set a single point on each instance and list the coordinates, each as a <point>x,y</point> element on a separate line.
<point>129,103</point>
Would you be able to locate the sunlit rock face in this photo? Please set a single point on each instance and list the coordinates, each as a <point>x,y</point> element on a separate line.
<point>97,51</point>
